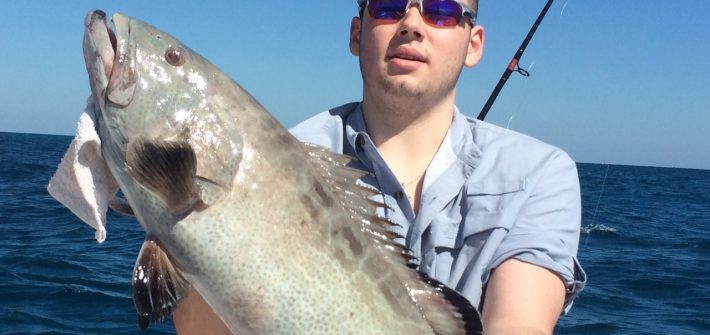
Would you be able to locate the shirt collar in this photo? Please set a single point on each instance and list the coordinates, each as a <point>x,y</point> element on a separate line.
<point>360,141</point>
<point>462,142</point>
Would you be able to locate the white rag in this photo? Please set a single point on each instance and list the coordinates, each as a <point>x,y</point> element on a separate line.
<point>83,182</point>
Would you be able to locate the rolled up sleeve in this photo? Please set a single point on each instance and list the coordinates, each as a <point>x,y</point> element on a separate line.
<point>546,231</point>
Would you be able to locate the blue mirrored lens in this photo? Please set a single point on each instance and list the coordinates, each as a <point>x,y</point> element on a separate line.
<point>387,9</point>
<point>442,12</point>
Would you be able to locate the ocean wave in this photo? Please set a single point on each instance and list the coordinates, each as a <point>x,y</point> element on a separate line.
<point>598,227</point>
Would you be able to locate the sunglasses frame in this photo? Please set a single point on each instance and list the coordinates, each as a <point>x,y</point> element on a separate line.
<point>466,12</point>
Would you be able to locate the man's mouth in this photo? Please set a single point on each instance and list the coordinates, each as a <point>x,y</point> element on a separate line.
<point>407,54</point>
<point>408,57</point>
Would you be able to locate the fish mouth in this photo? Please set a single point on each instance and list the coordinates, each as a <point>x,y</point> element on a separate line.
<point>103,39</point>
<point>109,55</point>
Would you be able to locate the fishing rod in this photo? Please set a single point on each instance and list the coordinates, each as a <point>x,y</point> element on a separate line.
<point>513,66</point>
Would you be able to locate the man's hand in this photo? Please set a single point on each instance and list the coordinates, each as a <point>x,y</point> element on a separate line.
<point>194,316</point>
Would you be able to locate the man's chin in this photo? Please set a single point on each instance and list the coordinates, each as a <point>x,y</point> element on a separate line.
<point>404,87</point>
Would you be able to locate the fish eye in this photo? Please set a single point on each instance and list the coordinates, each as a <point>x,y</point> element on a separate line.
<point>176,56</point>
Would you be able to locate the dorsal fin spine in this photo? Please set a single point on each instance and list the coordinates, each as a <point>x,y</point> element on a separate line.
<point>438,304</point>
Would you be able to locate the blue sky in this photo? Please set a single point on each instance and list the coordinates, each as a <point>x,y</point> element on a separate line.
<point>622,82</point>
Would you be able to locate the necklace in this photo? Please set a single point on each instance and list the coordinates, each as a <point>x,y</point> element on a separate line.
<point>407,183</point>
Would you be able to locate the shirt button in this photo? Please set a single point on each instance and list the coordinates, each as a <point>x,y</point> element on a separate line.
<point>359,142</point>
<point>399,195</point>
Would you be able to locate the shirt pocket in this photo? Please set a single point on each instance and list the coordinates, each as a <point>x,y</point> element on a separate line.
<point>489,206</point>
<point>485,198</point>
<point>460,234</point>
<point>482,208</point>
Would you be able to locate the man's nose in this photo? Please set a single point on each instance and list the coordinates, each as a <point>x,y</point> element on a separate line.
<point>412,22</point>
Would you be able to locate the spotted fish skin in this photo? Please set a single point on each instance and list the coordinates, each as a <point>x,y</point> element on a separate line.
<point>276,235</point>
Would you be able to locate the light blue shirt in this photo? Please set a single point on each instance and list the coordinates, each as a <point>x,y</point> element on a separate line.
<point>489,194</point>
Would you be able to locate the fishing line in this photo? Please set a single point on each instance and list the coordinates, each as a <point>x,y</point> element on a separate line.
<point>524,96</point>
<point>591,226</point>
<point>562,12</point>
<point>510,120</point>
<point>513,65</point>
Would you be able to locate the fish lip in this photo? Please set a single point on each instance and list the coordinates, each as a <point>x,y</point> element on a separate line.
<point>100,40</point>
<point>408,53</point>
<point>109,55</point>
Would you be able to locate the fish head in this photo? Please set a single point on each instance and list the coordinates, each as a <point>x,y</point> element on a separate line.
<point>139,75</point>
<point>159,107</point>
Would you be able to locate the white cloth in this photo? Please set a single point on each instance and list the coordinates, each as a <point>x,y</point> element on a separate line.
<point>83,182</point>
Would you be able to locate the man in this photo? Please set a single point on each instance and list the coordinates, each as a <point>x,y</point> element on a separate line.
<point>490,212</point>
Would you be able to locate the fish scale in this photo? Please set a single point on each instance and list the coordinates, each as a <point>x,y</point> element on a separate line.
<point>277,236</point>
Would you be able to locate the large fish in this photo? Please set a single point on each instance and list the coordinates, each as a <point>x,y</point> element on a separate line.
<point>275,235</point>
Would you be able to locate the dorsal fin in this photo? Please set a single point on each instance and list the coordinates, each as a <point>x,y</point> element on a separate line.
<point>168,168</point>
<point>355,197</point>
<point>157,285</point>
<point>468,314</point>
<point>446,311</point>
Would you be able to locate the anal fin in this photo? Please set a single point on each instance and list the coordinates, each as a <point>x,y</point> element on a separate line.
<point>157,285</point>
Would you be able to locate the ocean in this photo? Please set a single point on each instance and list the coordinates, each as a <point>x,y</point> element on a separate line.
<point>645,247</point>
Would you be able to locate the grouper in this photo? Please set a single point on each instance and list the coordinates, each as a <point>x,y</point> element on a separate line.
<point>277,236</point>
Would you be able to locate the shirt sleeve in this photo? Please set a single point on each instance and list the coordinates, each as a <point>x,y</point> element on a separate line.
<point>325,128</point>
<point>546,232</point>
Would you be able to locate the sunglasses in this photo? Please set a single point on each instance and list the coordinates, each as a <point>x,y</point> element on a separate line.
<point>439,13</point>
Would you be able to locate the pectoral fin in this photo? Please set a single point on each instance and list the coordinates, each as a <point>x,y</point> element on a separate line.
<point>121,206</point>
<point>169,169</point>
<point>157,285</point>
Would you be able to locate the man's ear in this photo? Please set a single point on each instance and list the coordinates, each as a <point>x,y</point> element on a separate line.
<point>355,29</point>
<point>475,46</point>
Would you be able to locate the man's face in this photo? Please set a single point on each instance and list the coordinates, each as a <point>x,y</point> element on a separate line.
<point>411,58</point>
